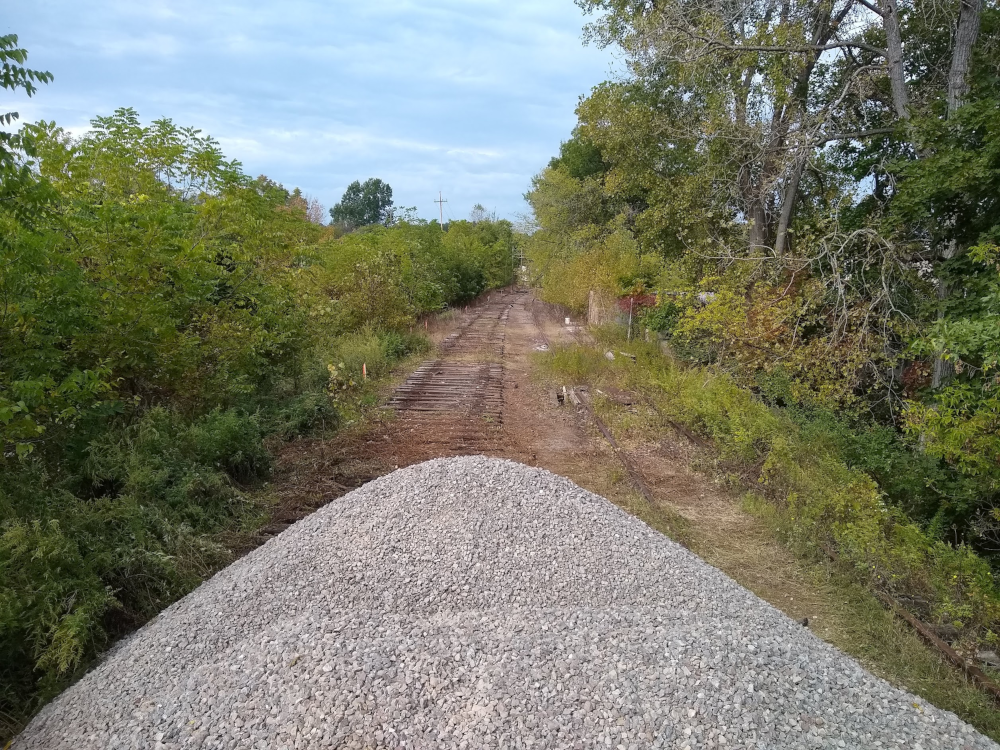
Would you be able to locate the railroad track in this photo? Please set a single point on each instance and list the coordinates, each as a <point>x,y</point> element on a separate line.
<point>455,402</point>
<point>484,334</point>
<point>442,386</point>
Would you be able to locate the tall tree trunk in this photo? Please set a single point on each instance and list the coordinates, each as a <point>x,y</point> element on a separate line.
<point>943,370</point>
<point>969,16</point>
<point>894,46</point>
<point>822,31</point>
<point>788,195</point>
<point>759,234</point>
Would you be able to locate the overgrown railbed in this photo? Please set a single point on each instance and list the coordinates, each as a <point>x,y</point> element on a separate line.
<point>801,472</point>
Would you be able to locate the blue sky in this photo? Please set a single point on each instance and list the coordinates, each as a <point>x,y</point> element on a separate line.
<point>469,97</point>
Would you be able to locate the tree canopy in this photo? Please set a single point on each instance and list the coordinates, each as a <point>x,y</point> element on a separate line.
<point>21,195</point>
<point>813,188</point>
<point>363,204</point>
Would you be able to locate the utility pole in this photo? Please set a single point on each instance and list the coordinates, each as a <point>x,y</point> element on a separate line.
<point>440,201</point>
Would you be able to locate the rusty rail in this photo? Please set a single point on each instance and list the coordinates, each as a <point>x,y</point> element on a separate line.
<point>456,400</point>
<point>633,472</point>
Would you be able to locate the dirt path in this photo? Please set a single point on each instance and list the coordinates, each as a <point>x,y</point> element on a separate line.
<point>479,394</point>
<point>475,395</point>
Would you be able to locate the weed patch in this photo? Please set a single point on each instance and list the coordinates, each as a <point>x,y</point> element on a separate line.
<point>805,483</point>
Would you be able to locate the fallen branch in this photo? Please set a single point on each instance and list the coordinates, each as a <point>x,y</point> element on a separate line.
<point>971,671</point>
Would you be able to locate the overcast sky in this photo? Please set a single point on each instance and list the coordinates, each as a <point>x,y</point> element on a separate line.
<point>471,97</point>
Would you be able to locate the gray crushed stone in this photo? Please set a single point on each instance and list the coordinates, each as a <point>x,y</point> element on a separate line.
<point>472,603</point>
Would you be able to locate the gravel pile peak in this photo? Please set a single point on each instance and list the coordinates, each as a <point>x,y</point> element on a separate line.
<point>471,603</point>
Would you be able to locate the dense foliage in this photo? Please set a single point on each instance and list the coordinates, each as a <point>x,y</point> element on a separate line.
<point>810,189</point>
<point>160,316</point>
<point>363,204</point>
<point>20,194</point>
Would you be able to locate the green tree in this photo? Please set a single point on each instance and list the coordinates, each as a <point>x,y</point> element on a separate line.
<point>363,204</point>
<point>21,195</point>
<point>579,157</point>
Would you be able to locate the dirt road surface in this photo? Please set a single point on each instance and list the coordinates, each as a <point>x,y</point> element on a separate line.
<point>479,393</point>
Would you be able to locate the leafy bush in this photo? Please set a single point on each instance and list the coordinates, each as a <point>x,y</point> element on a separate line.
<point>399,345</point>
<point>960,422</point>
<point>376,352</point>
<point>383,276</point>
<point>81,568</point>
<point>662,318</point>
<point>163,457</point>
<point>303,414</point>
<point>363,349</point>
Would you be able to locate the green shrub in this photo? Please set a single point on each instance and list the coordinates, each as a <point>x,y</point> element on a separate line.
<point>824,503</point>
<point>78,568</point>
<point>576,364</point>
<point>399,345</point>
<point>76,572</point>
<point>376,351</point>
<point>187,466</point>
<point>815,479</point>
<point>354,351</point>
<point>662,318</point>
<point>304,413</point>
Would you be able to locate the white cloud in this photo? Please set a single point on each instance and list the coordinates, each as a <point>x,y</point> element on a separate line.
<point>155,45</point>
<point>469,96</point>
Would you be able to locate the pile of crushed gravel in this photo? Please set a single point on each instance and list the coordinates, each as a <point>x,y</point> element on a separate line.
<point>471,603</point>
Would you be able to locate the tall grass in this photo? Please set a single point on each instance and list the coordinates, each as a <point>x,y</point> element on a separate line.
<point>818,498</point>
